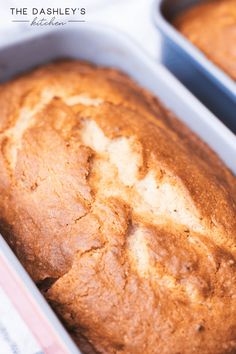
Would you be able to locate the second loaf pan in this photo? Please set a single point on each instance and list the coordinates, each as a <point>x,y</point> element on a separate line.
<point>208,82</point>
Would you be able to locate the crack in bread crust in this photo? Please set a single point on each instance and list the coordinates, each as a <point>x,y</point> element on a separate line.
<point>124,218</point>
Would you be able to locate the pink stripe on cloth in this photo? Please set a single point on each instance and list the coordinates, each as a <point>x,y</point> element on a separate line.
<point>30,311</point>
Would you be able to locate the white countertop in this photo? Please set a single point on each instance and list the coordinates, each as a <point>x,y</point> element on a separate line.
<point>131,16</point>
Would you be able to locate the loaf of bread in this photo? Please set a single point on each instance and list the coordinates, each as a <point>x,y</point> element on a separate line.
<point>211,26</point>
<point>123,217</point>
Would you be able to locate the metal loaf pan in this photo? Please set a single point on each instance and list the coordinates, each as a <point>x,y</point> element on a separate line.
<point>102,46</point>
<point>208,82</point>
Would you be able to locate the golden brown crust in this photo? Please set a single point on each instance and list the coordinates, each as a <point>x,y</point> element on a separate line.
<point>125,219</point>
<point>211,26</point>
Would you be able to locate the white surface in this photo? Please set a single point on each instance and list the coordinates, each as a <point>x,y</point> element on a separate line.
<point>133,17</point>
<point>15,336</point>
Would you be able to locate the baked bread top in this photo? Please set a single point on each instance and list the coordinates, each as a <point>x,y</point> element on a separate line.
<point>211,26</point>
<point>124,218</point>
